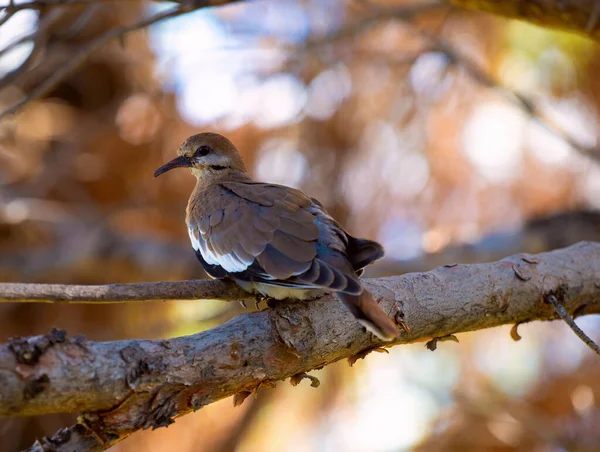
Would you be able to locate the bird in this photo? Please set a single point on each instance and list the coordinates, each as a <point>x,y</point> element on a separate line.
<point>272,240</point>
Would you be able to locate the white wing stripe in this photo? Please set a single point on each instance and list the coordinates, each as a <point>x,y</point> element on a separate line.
<point>230,262</point>
<point>194,239</point>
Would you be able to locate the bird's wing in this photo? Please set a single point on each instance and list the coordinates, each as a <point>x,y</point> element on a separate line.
<point>272,234</point>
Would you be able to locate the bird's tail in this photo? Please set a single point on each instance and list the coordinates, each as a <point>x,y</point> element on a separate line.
<point>372,316</point>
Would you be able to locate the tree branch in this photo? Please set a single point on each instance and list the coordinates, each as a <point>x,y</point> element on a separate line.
<point>119,293</point>
<point>579,16</point>
<point>135,384</point>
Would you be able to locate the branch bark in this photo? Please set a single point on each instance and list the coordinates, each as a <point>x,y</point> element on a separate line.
<point>136,384</point>
<point>579,16</point>
<point>119,293</point>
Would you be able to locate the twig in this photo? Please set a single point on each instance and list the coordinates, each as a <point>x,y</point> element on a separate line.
<point>562,312</point>
<point>43,4</point>
<point>40,4</point>
<point>81,56</point>
<point>120,293</point>
<point>39,38</point>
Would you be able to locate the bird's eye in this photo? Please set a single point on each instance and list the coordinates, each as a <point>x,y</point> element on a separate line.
<point>203,150</point>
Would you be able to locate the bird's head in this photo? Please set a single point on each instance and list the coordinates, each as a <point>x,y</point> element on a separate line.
<point>206,154</point>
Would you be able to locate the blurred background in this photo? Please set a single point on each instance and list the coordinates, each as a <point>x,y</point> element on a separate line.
<point>448,136</point>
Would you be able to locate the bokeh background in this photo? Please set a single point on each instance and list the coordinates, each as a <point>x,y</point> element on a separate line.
<point>448,136</point>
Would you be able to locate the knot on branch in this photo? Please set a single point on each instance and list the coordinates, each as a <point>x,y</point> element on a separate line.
<point>293,326</point>
<point>29,350</point>
<point>140,363</point>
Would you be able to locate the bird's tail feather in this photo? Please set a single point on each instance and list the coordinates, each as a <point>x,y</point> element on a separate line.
<point>372,316</point>
<point>362,252</point>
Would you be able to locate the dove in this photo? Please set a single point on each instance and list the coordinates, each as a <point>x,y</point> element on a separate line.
<point>270,239</point>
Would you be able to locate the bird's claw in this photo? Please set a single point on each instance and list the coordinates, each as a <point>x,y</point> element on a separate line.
<point>258,299</point>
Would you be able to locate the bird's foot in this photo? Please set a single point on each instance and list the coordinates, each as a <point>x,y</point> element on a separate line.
<point>362,355</point>
<point>259,298</point>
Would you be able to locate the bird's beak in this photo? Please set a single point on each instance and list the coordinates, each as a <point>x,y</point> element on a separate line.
<point>178,162</point>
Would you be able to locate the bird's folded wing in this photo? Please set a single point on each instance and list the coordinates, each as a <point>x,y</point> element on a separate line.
<point>268,233</point>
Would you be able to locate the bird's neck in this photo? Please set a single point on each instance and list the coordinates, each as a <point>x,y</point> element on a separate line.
<point>208,177</point>
<point>206,180</point>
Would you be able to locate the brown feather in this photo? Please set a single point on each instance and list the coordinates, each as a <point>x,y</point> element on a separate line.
<point>301,225</point>
<point>203,224</point>
<point>266,223</point>
<point>216,217</point>
<point>280,266</point>
<point>370,314</point>
<point>297,249</point>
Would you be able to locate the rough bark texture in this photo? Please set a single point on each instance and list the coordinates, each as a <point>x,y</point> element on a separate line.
<point>129,385</point>
<point>580,16</point>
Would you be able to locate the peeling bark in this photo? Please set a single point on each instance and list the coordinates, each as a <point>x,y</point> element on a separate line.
<point>129,385</point>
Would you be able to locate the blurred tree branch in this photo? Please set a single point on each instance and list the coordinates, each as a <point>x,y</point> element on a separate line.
<point>39,39</point>
<point>136,384</point>
<point>580,16</point>
<point>80,57</point>
<point>405,13</point>
<point>521,101</point>
<point>535,236</point>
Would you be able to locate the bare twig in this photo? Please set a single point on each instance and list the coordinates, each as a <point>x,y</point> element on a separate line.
<point>39,38</point>
<point>119,293</point>
<point>562,312</point>
<point>45,4</point>
<point>129,385</point>
<point>82,55</point>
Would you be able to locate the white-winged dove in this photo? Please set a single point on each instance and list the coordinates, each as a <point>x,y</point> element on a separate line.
<point>272,239</point>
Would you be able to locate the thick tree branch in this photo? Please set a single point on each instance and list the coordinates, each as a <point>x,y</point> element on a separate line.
<point>579,16</point>
<point>129,385</point>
